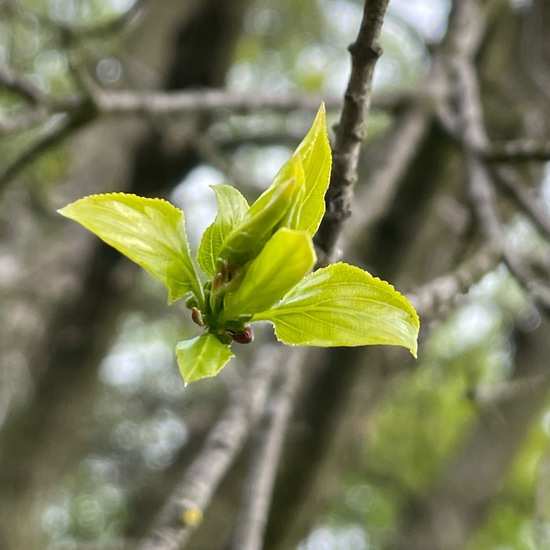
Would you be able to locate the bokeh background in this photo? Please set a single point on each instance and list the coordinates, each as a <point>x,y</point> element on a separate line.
<point>382,451</point>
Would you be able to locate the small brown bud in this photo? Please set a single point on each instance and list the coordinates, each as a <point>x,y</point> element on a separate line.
<point>244,336</point>
<point>197,317</point>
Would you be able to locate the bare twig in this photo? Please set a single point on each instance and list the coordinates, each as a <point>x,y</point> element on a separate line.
<point>253,515</point>
<point>350,132</point>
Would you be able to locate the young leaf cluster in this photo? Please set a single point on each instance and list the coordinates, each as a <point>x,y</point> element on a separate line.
<point>257,261</point>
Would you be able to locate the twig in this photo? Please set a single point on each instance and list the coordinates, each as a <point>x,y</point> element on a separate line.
<point>350,132</point>
<point>259,487</point>
<point>183,512</point>
<point>440,292</point>
<point>195,101</point>
<point>509,181</point>
<point>518,151</point>
<point>484,203</point>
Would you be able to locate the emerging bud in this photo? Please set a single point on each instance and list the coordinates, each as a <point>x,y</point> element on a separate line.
<point>244,336</point>
<point>197,317</point>
<point>271,211</point>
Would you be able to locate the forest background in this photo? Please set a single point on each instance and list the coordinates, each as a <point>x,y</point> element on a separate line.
<point>103,447</point>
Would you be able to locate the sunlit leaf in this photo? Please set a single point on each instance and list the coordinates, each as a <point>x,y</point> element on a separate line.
<point>151,232</point>
<point>264,217</point>
<point>286,258</point>
<point>342,305</point>
<point>201,357</point>
<point>291,170</point>
<point>232,206</point>
<point>314,152</point>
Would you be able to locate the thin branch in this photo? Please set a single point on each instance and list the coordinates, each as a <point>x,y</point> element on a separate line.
<point>509,181</point>
<point>196,101</point>
<point>440,292</point>
<point>350,132</point>
<point>184,511</point>
<point>484,203</point>
<point>520,150</point>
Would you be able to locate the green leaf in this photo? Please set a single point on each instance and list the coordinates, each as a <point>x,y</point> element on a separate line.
<point>314,152</point>
<point>201,357</point>
<point>151,232</point>
<point>232,206</point>
<point>264,217</point>
<point>342,305</point>
<point>284,261</point>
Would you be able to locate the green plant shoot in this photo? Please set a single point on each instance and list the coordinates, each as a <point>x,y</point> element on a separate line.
<point>256,261</point>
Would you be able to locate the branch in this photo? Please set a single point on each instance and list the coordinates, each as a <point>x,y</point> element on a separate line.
<point>484,203</point>
<point>184,511</point>
<point>198,101</point>
<point>520,150</point>
<point>511,184</point>
<point>441,291</point>
<point>259,488</point>
<point>350,132</point>
<point>473,136</point>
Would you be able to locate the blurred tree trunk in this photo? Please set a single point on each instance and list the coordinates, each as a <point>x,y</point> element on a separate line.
<point>184,45</point>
